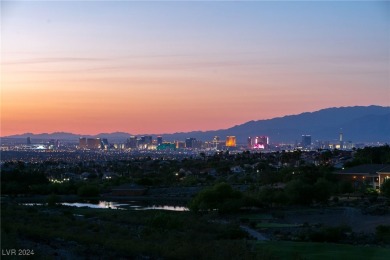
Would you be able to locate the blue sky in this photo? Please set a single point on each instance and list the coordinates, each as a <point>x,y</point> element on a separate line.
<point>257,59</point>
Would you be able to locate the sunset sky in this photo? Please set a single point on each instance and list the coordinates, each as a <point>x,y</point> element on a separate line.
<point>162,67</point>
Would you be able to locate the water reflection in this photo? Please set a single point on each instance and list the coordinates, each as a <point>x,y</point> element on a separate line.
<point>99,205</point>
<point>174,208</point>
<point>123,206</point>
<point>130,205</point>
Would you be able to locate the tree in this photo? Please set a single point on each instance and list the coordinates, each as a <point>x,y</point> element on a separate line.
<point>221,197</point>
<point>88,191</point>
<point>385,188</point>
<point>345,187</point>
<point>299,192</point>
<point>370,155</point>
<point>52,200</point>
<point>322,190</point>
<point>383,233</point>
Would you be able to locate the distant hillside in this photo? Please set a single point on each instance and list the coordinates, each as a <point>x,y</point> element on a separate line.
<point>56,135</point>
<point>117,136</point>
<point>358,124</point>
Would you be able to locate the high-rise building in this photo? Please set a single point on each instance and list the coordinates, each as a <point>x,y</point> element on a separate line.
<point>166,146</point>
<point>105,141</point>
<point>148,139</point>
<point>260,142</point>
<point>197,144</point>
<point>190,142</point>
<point>105,144</point>
<point>159,140</point>
<point>131,142</point>
<point>341,140</point>
<point>144,142</point>
<point>94,143</point>
<point>53,144</point>
<point>28,140</point>
<point>141,143</point>
<point>306,141</point>
<point>230,141</point>
<point>90,143</point>
<point>216,142</point>
<point>180,144</point>
<point>82,143</point>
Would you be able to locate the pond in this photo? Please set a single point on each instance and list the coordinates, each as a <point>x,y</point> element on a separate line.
<point>130,205</point>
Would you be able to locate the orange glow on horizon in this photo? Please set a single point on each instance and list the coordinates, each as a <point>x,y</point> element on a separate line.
<point>95,68</point>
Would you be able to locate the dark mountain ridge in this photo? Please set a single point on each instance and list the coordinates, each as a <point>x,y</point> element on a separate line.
<point>358,124</point>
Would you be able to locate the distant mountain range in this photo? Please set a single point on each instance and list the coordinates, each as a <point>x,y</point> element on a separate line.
<point>358,124</point>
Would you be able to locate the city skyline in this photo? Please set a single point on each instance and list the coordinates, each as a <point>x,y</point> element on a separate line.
<point>165,67</point>
<point>359,123</point>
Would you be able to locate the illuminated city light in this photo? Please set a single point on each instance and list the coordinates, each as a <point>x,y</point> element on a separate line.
<point>230,141</point>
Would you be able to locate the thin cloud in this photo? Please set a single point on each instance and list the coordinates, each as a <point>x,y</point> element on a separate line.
<point>53,60</point>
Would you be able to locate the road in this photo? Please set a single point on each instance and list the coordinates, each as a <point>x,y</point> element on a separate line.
<point>254,233</point>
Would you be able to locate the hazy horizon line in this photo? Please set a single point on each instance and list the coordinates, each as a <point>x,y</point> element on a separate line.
<point>179,132</point>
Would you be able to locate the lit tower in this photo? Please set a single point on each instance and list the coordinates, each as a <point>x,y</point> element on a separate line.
<point>216,142</point>
<point>341,139</point>
<point>159,140</point>
<point>306,141</point>
<point>249,142</point>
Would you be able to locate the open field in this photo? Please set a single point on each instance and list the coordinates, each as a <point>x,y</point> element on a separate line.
<point>318,216</point>
<point>74,233</point>
<point>276,225</point>
<point>336,216</point>
<point>325,251</point>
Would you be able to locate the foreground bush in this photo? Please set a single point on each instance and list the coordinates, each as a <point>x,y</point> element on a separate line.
<point>330,234</point>
<point>52,200</point>
<point>385,188</point>
<point>88,191</point>
<point>125,235</point>
<point>383,233</point>
<point>222,198</point>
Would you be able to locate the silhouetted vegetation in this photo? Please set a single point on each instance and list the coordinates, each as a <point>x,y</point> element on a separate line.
<point>264,182</point>
<point>330,234</point>
<point>221,197</point>
<point>122,234</point>
<point>20,180</point>
<point>371,155</point>
<point>88,191</point>
<point>52,200</point>
<point>385,188</point>
<point>383,233</point>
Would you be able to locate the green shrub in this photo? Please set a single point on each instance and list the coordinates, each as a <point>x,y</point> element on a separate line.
<point>88,191</point>
<point>52,200</point>
<point>299,192</point>
<point>220,197</point>
<point>322,190</point>
<point>383,233</point>
<point>330,234</point>
<point>163,220</point>
<point>385,188</point>
<point>344,187</point>
<point>233,232</point>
